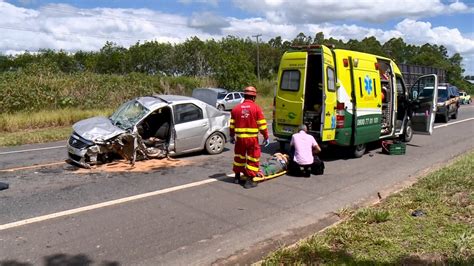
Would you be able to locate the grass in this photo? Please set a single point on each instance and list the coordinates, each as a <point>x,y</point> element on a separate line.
<point>28,121</point>
<point>43,126</point>
<point>388,233</point>
<point>36,136</point>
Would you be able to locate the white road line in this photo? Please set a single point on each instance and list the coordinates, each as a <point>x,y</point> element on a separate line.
<point>104,204</point>
<point>38,149</point>
<point>453,123</point>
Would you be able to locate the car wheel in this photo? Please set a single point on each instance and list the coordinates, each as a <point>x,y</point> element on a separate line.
<point>407,133</point>
<point>455,115</point>
<point>215,143</point>
<point>359,150</point>
<point>446,117</point>
<point>221,107</point>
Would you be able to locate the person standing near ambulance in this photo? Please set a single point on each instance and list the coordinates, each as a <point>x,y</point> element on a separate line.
<point>245,122</point>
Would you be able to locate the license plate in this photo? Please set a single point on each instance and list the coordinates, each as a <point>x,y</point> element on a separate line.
<point>288,129</point>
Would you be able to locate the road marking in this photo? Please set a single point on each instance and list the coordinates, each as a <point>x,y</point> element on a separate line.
<point>453,123</point>
<point>105,204</point>
<point>38,149</point>
<point>30,167</point>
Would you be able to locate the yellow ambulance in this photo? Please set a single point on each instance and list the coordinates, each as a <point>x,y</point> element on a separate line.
<point>349,98</point>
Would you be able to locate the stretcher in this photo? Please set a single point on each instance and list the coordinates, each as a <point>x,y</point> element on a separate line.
<point>263,178</point>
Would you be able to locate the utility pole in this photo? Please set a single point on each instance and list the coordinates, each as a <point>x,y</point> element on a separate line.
<point>258,57</point>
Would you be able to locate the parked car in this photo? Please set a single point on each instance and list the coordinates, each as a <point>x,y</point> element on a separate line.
<point>149,127</point>
<point>464,98</point>
<point>218,97</point>
<point>448,101</point>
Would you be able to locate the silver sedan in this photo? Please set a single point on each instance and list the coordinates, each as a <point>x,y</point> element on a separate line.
<point>149,127</point>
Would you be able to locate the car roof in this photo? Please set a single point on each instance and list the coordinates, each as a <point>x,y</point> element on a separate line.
<point>158,101</point>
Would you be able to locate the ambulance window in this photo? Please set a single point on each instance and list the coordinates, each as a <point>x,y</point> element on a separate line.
<point>331,80</point>
<point>290,80</point>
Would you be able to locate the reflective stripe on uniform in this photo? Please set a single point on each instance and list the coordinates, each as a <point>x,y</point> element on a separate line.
<point>263,121</point>
<point>231,126</point>
<point>240,156</point>
<point>262,127</point>
<point>232,120</point>
<point>246,130</point>
<point>246,135</point>
<point>255,169</point>
<point>239,164</point>
<point>253,159</point>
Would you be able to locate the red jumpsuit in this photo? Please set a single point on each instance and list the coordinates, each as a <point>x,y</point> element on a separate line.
<point>246,121</point>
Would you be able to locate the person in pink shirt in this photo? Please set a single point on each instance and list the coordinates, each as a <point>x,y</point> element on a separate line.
<point>304,146</point>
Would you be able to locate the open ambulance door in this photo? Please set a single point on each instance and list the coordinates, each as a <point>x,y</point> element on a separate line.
<point>289,98</point>
<point>423,97</point>
<point>328,130</point>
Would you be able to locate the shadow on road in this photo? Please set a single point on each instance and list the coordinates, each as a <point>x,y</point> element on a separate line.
<point>62,260</point>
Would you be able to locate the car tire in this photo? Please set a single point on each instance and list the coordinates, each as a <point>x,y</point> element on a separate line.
<point>455,115</point>
<point>359,150</point>
<point>215,143</point>
<point>446,117</point>
<point>407,133</point>
<point>221,107</point>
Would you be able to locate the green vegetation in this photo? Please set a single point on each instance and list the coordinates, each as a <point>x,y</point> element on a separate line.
<point>37,136</point>
<point>51,86</point>
<point>26,121</point>
<point>388,233</point>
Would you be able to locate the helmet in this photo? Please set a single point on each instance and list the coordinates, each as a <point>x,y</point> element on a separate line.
<point>250,90</point>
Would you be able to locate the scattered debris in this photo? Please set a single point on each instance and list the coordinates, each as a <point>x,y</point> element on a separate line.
<point>417,213</point>
<point>4,185</point>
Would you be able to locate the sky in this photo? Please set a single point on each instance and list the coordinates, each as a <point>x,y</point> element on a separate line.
<point>72,25</point>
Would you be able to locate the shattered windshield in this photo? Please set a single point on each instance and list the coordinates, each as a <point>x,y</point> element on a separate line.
<point>128,114</point>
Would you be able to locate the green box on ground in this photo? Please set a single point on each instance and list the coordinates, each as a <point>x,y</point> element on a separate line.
<point>393,148</point>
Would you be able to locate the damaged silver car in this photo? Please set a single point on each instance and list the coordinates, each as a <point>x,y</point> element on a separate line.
<point>149,127</point>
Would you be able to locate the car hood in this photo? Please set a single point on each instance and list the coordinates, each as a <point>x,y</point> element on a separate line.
<point>97,128</point>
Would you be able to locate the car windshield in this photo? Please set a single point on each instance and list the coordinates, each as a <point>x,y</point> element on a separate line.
<point>128,114</point>
<point>221,95</point>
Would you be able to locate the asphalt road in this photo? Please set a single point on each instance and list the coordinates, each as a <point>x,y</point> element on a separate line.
<point>191,213</point>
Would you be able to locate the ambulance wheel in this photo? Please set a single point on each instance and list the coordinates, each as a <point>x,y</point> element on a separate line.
<point>407,133</point>
<point>221,107</point>
<point>359,150</point>
<point>215,143</point>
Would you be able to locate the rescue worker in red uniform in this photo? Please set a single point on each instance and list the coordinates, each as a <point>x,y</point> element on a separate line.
<point>246,121</point>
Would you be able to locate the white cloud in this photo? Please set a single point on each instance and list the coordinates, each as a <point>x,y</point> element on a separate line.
<point>311,11</point>
<point>206,2</point>
<point>208,22</point>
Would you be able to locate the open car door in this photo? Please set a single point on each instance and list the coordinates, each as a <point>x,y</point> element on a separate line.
<point>423,99</point>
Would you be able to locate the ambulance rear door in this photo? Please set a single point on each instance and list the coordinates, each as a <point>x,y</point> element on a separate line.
<point>329,96</point>
<point>289,97</point>
<point>423,97</point>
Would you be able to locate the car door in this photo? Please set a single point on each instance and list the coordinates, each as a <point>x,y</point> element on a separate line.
<point>229,101</point>
<point>237,99</point>
<point>423,99</point>
<point>190,127</point>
